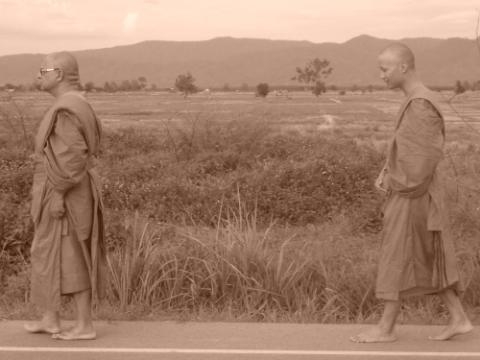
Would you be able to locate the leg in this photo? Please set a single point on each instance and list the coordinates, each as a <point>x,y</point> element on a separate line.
<point>50,324</point>
<point>383,331</point>
<point>459,322</point>
<point>83,328</point>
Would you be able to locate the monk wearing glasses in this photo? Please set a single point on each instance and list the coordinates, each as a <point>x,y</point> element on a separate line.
<point>67,251</point>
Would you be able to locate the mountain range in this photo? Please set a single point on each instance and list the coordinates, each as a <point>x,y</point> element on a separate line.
<point>234,61</point>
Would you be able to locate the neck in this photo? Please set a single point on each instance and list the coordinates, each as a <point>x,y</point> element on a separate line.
<point>411,84</point>
<point>63,88</point>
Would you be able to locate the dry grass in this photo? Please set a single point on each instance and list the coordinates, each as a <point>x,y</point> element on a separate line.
<point>243,271</point>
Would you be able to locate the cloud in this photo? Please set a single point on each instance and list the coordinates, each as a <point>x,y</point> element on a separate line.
<point>130,22</point>
<point>456,17</point>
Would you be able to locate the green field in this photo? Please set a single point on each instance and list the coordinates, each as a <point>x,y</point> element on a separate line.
<point>231,207</point>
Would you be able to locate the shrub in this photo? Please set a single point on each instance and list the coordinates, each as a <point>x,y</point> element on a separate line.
<point>263,89</point>
<point>289,178</point>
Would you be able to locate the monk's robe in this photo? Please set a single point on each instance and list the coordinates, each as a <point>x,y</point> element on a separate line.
<point>417,255</point>
<point>67,253</point>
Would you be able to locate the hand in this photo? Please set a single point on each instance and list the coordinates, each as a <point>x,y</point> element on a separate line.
<point>380,183</point>
<point>57,205</point>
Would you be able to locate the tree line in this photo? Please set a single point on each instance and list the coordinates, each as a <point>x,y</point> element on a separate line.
<point>311,77</point>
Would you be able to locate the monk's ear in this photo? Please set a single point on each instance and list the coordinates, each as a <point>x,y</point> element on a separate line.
<point>60,75</point>
<point>403,68</point>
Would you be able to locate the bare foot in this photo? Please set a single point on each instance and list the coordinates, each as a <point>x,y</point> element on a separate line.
<point>374,335</point>
<point>452,330</point>
<point>76,333</point>
<point>42,327</point>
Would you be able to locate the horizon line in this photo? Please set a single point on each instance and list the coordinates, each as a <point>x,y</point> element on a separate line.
<point>244,38</point>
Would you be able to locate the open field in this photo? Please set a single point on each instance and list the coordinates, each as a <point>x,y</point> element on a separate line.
<point>231,207</point>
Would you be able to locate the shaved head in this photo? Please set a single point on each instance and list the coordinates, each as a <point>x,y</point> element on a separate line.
<point>400,53</point>
<point>68,64</point>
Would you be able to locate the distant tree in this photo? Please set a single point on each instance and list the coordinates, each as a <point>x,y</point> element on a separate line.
<point>370,88</point>
<point>263,89</point>
<point>114,86</point>
<point>89,86</point>
<point>153,87</point>
<point>244,87</point>
<point>143,82</point>
<point>9,86</point>
<point>125,86</point>
<point>319,88</point>
<point>107,87</point>
<point>458,88</point>
<point>185,83</point>
<point>313,72</point>
<point>354,88</point>
<point>476,85</point>
<point>466,85</point>
<point>226,87</point>
<point>135,84</point>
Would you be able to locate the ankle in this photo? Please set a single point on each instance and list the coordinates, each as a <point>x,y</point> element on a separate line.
<point>50,318</point>
<point>85,324</point>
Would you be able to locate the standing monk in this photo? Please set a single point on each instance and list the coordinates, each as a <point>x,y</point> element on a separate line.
<point>67,248</point>
<point>417,257</point>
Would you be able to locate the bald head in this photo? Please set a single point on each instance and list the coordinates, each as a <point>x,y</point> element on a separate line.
<point>68,64</point>
<point>399,53</point>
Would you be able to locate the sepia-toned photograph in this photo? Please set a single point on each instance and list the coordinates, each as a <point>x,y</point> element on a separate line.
<point>258,180</point>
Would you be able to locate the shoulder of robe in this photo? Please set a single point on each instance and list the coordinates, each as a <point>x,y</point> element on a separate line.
<point>66,119</point>
<point>78,106</point>
<point>423,112</point>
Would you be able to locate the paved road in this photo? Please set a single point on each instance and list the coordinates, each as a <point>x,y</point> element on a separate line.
<point>221,341</point>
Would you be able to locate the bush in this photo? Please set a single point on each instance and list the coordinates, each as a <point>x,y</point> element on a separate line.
<point>288,178</point>
<point>262,89</point>
<point>16,228</point>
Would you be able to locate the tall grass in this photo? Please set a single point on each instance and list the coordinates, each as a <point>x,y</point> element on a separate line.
<point>239,268</point>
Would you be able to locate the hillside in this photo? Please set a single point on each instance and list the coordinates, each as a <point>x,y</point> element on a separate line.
<point>236,61</point>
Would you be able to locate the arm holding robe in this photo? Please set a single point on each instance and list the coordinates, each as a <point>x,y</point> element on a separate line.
<point>67,154</point>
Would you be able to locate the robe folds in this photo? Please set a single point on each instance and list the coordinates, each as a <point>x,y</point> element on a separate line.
<point>417,255</point>
<point>67,254</point>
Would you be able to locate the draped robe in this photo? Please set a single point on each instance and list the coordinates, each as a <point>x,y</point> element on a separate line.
<point>417,255</point>
<point>67,254</point>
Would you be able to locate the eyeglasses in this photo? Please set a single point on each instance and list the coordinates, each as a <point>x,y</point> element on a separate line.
<point>43,72</point>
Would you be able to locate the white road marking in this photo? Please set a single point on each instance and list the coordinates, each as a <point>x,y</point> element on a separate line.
<point>415,354</point>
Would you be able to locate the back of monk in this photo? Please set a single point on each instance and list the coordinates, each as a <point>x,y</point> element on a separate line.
<point>66,253</point>
<point>417,255</point>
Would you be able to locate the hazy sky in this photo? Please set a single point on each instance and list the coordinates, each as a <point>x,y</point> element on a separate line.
<point>40,26</point>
